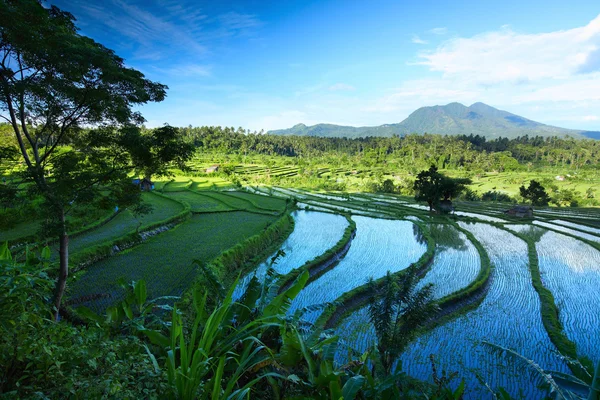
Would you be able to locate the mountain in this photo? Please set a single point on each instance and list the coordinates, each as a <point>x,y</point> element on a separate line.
<point>451,119</point>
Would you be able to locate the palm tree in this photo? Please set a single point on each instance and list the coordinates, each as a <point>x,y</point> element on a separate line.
<point>398,310</point>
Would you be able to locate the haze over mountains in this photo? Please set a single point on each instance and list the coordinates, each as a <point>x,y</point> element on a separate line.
<point>451,119</point>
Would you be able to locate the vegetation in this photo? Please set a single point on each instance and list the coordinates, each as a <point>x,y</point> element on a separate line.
<point>166,298</point>
<point>49,97</point>
<point>535,194</point>
<point>398,313</point>
<point>431,186</point>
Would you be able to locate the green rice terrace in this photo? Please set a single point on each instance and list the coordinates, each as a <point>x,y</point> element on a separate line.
<point>415,251</point>
<point>528,284</point>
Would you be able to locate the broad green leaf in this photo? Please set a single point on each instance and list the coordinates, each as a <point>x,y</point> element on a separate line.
<point>140,292</point>
<point>87,313</point>
<point>352,387</point>
<point>127,310</point>
<point>157,338</point>
<point>46,253</point>
<point>280,303</point>
<point>5,252</point>
<point>335,392</point>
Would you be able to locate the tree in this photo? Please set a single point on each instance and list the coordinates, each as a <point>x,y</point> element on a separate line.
<point>432,186</point>
<point>388,186</point>
<point>55,86</point>
<point>398,310</point>
<point>535,193</point>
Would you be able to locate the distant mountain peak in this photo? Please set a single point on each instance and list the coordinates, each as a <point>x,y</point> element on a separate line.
<point>450,119</point>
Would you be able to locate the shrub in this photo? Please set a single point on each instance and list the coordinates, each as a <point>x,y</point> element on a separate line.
<point>493,195</point>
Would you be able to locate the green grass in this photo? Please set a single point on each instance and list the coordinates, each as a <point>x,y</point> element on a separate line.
<point>199,202</point>
<point>264,202</point>
<point>209,182</point>
<point>22,230</point>
<point>178,183</point>
<point>165,261</point>
<point>125,222</point>
<point>233,201</point>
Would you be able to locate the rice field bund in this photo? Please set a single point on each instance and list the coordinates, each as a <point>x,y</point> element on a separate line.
<point>530,285</point>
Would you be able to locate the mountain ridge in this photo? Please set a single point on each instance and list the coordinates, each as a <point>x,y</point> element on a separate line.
<point>450,119</point>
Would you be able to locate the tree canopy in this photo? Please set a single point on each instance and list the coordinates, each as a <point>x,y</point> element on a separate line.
<point>432,186</point>
<point>535,193</point>
<point>69,102</point>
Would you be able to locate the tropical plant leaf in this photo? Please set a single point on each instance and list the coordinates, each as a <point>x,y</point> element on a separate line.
<point>352,387</point>
<point>537,373</point>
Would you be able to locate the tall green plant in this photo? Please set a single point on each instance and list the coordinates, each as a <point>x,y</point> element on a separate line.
<point>222,354</point>
<point>398,311</point>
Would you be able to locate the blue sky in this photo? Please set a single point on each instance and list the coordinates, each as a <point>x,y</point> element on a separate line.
<point>272,64</point>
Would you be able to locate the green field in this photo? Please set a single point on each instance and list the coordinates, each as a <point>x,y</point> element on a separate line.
<point>165,261</point>
<point>263,202</point>
<point>21,230</point>
<point>199,202</point>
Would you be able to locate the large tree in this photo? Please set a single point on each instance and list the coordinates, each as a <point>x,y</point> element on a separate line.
<point>432,186</point>
<point>69,103</point>
<point>535,193</point>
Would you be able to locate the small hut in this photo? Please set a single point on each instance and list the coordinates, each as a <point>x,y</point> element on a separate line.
<point>520,211</point>
<point>212,168</point>
<point>145,184</point>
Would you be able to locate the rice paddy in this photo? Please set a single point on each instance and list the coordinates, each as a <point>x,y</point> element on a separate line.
<point>165,261</point>
<point>314,233</point>
<point>571,270</point>
<point>379,246</point>
<point>387,239</point>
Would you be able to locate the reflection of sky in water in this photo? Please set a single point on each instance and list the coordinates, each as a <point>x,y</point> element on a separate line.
<point>417,206</point>
<point>576,226</point>
<point>380,245</point>
<point>569,231</point>
<point>314,233</point>
<point>570,269</point>
<point>479,216</point>
<point>456,264</point>
<point>508,316</point>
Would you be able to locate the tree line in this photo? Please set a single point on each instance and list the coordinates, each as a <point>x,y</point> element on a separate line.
<point>412,151</point>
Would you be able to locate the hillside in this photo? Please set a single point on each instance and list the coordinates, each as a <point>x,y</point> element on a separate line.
<point>451,119</point>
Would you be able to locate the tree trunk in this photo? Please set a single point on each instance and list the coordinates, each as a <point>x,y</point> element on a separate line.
<point>63,273</point>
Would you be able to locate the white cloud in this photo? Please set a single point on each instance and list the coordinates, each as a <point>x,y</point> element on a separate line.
<point>417,40</point>
<point>341,87</point>
<point>504,55</point>
<point>439,31</point>
<point>422,92</point>
<point>549,77</point>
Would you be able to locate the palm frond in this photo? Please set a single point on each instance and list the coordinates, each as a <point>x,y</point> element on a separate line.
<point>537,373</point>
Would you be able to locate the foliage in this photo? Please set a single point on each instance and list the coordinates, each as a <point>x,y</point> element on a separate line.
<point>397,313</point>
<point>165,262</point>
<point>157,150</point>
<point>493,195</point>
<point>431,186</point>
<point>559,385</point>
<point>60,360</point>
<point>48,98</point>
<point>535,194</point>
